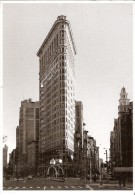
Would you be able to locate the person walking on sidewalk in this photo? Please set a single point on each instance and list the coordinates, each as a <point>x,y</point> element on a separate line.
<point>124,180</point>
<point>119,180</point>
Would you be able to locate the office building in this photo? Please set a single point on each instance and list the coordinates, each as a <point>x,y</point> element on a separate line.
<point>121,138</point>
<point>78,137</point>
<point>93,156</point>
<point>5,154</point>
<point>27,136</point>
<point>57,97</point>
<point>12,163</point>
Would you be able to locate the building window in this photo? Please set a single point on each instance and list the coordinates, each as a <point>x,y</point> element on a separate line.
<point>37,113</point>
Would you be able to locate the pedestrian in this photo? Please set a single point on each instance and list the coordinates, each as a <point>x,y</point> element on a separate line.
<point>120,180</point>
<point>124,180</point>
<point>95,178</point>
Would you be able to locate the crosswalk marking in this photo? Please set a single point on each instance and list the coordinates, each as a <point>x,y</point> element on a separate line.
<point>16,188</point>
<point>87,186</point>
<point>80,187</point>
<point>91,188</point>
<point>52,187</point>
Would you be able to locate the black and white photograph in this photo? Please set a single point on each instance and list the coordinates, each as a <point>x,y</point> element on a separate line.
<point>67,96</point>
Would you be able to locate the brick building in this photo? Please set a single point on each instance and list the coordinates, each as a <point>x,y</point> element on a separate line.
<point>27,137</point>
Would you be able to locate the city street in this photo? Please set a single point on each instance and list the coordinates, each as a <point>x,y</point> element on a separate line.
<point>46,184</point>
<point>69,184</point>
<point>68,103</point>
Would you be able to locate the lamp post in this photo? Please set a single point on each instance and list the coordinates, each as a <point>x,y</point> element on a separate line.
<point>106,162</point>
<point>90,170</point>
<point>90,163</point>
<point>101,182</point>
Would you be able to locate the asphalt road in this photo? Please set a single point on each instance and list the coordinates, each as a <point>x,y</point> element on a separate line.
<point>42,184</point>
<point>69,184</point>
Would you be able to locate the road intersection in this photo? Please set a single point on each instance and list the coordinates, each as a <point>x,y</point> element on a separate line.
<point>69,184</point>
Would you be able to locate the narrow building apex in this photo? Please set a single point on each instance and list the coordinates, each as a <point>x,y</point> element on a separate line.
<point>62,17</point>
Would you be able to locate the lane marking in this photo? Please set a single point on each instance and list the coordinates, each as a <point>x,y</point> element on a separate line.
<point>90,188</point>
<point>128,188</point>
<point>87,186</point>
<point>16,188</point>
<point>72,187</point>
<point>44,187</point>
<point>66,186</point>
<point>38,187</point>
<point>59,186</point>
<point>51,187</point>
<point>10,188</point>
<point>30,187</point>
<point>80,187</point>
<point>24,187</point>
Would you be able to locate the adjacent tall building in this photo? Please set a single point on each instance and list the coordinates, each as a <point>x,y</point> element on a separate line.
<point>86,153</point>
<point>121,138</point>
<point>5,154</point>
<point>57,96</point>
<point>78,137</point>
<point>94,155</point>
<point>27,137</point>
<point>12,163</point>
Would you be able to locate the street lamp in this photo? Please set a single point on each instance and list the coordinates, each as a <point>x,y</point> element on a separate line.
<point>90,169</point>
<point>101,164</point>
<point>101,182</point>
<point>90,163</point>
<point>106,162</point>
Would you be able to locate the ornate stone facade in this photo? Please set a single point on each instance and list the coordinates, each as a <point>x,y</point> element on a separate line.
<point>57,96</point>
<point>121,140</point>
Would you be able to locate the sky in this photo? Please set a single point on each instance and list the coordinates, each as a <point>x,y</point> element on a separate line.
<point>103,35</point>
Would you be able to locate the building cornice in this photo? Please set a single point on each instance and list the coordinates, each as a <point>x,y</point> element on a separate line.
<point>51,31</point>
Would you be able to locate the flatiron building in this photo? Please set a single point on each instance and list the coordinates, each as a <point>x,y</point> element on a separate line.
<point>57,97</point>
